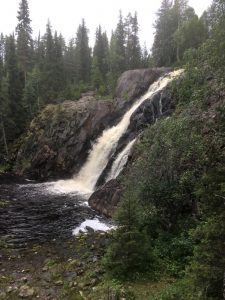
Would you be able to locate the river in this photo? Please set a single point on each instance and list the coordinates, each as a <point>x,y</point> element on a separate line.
<point>31,213</point>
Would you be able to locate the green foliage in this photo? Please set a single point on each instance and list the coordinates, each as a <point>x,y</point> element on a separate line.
<point>178,28</point>
<point>82,54</point>
<point>133,48</point>
<point>207,266</point>
<point>100,63</point>
<point>36,72</point>
<point>129,253</point>
<point>180,290</point>
<point>173,252</point>
<point>24,39</point>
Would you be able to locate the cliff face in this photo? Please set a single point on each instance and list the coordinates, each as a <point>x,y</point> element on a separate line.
<point>60,137</point>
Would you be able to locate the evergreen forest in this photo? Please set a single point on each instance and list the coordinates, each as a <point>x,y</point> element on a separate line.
<point>171,218</point>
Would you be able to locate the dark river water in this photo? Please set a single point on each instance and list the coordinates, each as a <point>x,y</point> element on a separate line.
<point>29,213</point>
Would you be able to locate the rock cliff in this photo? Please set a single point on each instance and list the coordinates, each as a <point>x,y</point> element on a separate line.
<point>60,137</point>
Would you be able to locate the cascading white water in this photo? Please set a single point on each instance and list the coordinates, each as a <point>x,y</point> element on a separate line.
<point>104,147</point>
<point>120,161</point>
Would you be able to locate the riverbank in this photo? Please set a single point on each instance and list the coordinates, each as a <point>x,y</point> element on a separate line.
<point>66,270</point>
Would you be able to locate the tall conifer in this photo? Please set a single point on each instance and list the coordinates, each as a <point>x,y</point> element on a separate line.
<point>24,38</point>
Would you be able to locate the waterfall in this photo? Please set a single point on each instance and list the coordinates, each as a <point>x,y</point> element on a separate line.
<point>120,161</point>
<point>105,146</point>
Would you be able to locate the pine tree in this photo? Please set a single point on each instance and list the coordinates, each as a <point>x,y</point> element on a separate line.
<point>162,49</point>
<point>215,12</point>
<point>4,105</point>
<point>24,38</point>
<point>39,52</point>
<point>32,101</point>
<point>1,56</point>
<point>49,87</point>
<point>120,46</point>
<point>83,54</point>
<point>130,250</point>
<point>133,48</point>
<point>59,50</point>
<point>15,88</point>
<point>117,53</point>
<point>145,57</point>
<point>96,75</point>
<point>70,62</point>
<point>100,63</point>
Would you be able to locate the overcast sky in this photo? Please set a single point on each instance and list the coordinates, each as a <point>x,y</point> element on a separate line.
<point>66,15</point>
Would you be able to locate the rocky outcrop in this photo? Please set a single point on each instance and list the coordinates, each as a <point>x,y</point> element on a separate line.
<point>60,137</point>
<point>106,199</point>
<point>134,83</point>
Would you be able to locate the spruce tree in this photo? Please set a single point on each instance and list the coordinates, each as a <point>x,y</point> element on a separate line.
<point>100,64</point>
<point>83,54</point>
<point>32,101</point>
<point>70,62</point>
<point>49,87</point>
<point>145,57</point>
<point>117,53</point>
<point>4,105</point>
<point>24,39</point>
<point>129,252</point>
<point>133,48</point>
<point>162,49</point>
<point>15,88</point>
<point>120,46</point>
<point>39,52</point>
<point>59,49</point>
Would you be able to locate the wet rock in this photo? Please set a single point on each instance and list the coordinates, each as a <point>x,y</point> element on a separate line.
<point>60,137</point>
<point>134,83</point>
<point>90,229</point>
<point>106,199</point>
